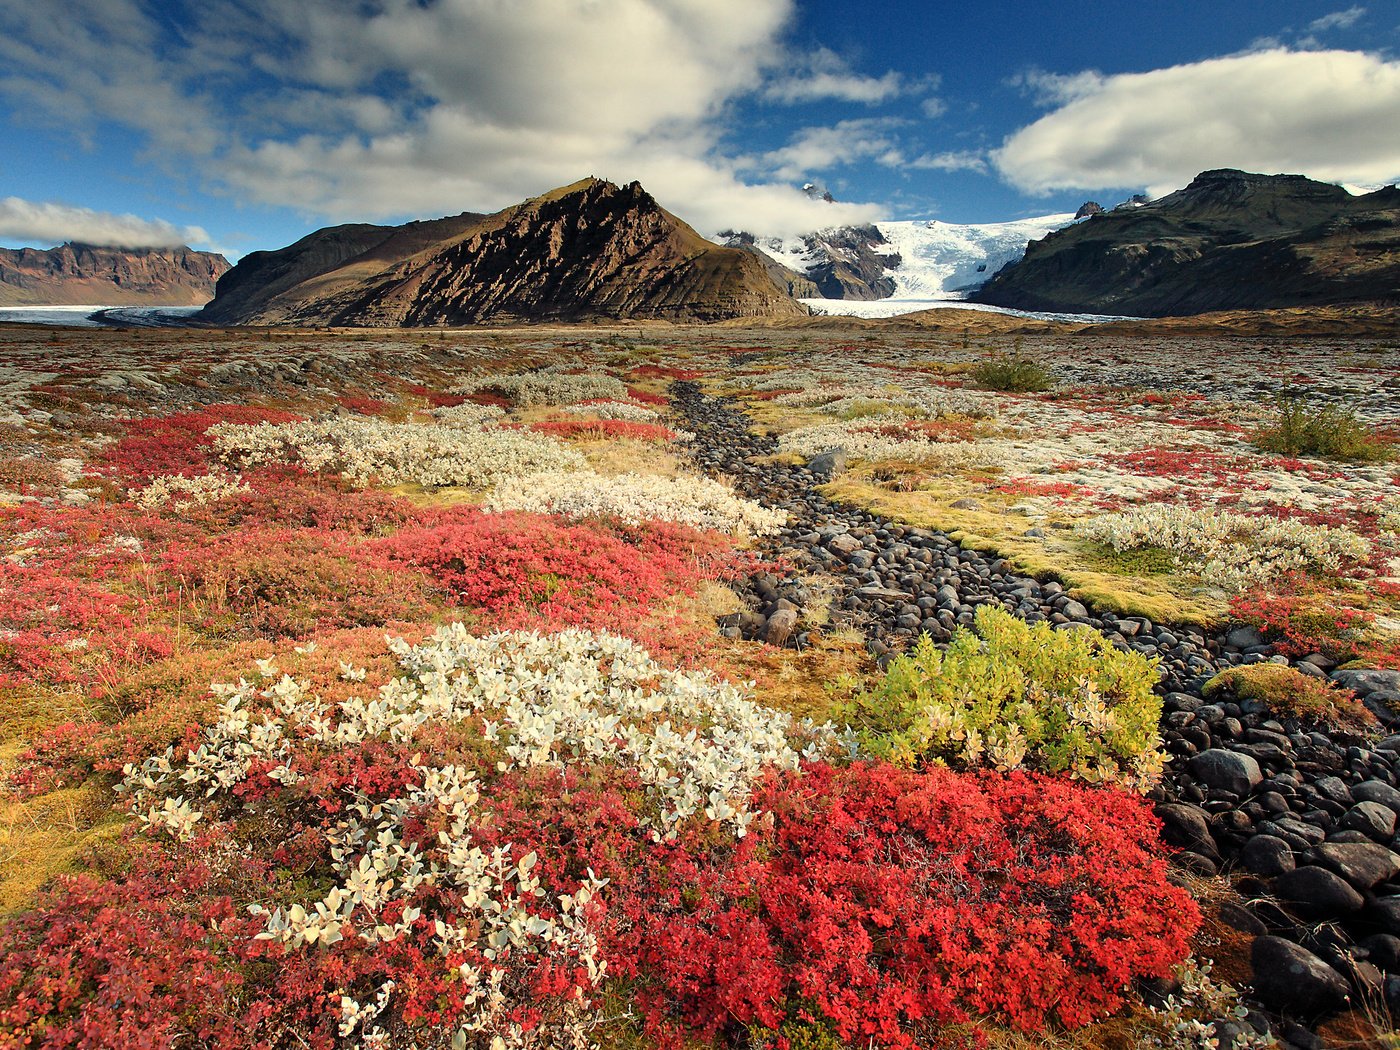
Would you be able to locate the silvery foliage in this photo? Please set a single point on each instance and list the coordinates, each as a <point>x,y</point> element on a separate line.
<point>686,499</point>
<point>885,436</point>
<point>1388,519</point>
<point>546,387</point>
<point>623,410</point>
<point>696,742</point>
<point>1189,1015</point>
<point>468,414</point>
<point>1231,550</point>
<point>914,402</point>
<point>180,493</point>
<point>363,449</point>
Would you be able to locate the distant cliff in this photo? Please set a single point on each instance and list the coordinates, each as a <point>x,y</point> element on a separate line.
<point>588,251</point>
<point>76,274</point>
<point>1230,240</point>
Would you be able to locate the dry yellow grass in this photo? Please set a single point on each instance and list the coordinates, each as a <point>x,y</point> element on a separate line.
<point>47,836</point>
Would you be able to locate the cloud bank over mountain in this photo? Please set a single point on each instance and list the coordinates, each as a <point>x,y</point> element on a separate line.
<point>48,223</point>
<point>1331,115</point>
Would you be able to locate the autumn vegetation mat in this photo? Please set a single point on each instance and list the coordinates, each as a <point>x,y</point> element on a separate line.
<point>366,691</point>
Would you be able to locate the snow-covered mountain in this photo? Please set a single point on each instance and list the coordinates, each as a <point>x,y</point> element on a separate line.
<point>921,259</point>
<point>945,258</point>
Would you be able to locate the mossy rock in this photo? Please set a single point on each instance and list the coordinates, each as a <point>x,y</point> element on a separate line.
<point>1287,691</point>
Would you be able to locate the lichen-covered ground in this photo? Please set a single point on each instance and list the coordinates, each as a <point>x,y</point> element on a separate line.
<point>558,805</point>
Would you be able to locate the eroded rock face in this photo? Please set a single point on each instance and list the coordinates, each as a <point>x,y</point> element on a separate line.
<point>1230,240</point>
<point>592,250</point>
<point>84,273</point>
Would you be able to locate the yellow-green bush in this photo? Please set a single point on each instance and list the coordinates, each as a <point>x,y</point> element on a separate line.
<point>1013,373</point>
<point>1013,695</point>
<point>1332,431</point>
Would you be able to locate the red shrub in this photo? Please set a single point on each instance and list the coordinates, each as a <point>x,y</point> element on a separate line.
<point>134,965</point>
<point>177,444</point>
<point>1299,622</point>
<point>483,397</point>
<point>646,397</point>
<point>884,900</point>
<point>284,496</point>
<point>60,630</point>
<point>440,400</point>
<point>524,568</point>
<point>365,406</point>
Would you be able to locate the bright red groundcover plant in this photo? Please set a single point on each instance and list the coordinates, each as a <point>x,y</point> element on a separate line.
<point>880,902</point>
<point>177,444</point>
<point>1299,622</point>
<point>131,965</point>
<point>279,582</point>
<point>883,901</point>
<point>524,569</point>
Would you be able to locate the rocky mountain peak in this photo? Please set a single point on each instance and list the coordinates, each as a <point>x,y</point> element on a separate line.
<point>591,249</point>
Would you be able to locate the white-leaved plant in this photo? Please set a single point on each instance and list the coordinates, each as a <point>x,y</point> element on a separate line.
<point>686,499</point>
<point>180,493</point>
<point>544,387</point>
<point>696,742</point>
<point>1232,551</point>
<point>623,410</point>
<point>365,449</point>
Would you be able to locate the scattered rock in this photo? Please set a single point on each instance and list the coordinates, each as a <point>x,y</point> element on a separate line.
<point>1292,980</point>
<point>1315,893</point>
<point>1371,818</point>
<point>828,465</point>
<point>1361,864</point>
<point>1186,827</point>
<point>1367,681</point>
<point>1244,637</point>
<point>780,627</point>
<point>1227,770</point>
<point>1267,855</point>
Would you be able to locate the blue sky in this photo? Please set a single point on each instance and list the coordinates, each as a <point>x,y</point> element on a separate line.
<point>244,124</point>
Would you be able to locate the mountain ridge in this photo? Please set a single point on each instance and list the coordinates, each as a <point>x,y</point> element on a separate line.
<point>75,273</point>
<point>1230,240</point>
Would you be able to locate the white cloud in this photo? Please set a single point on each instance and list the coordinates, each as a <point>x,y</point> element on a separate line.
<point>1332,115</point>
<point>1337,20</point>
<point>49,223</point>
<point>1055,89</point>
<point>933,107</point>
<point>824,74</point>
<point>952,160</point>
<point>821,148</point>
<point>396,107</point>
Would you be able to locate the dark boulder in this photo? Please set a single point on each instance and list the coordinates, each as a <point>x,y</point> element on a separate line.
<point>1292,980</point>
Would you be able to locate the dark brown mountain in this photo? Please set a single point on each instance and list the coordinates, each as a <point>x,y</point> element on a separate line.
<point>1229,241</point>
<point>592,250</point>
<point>76,274</point>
